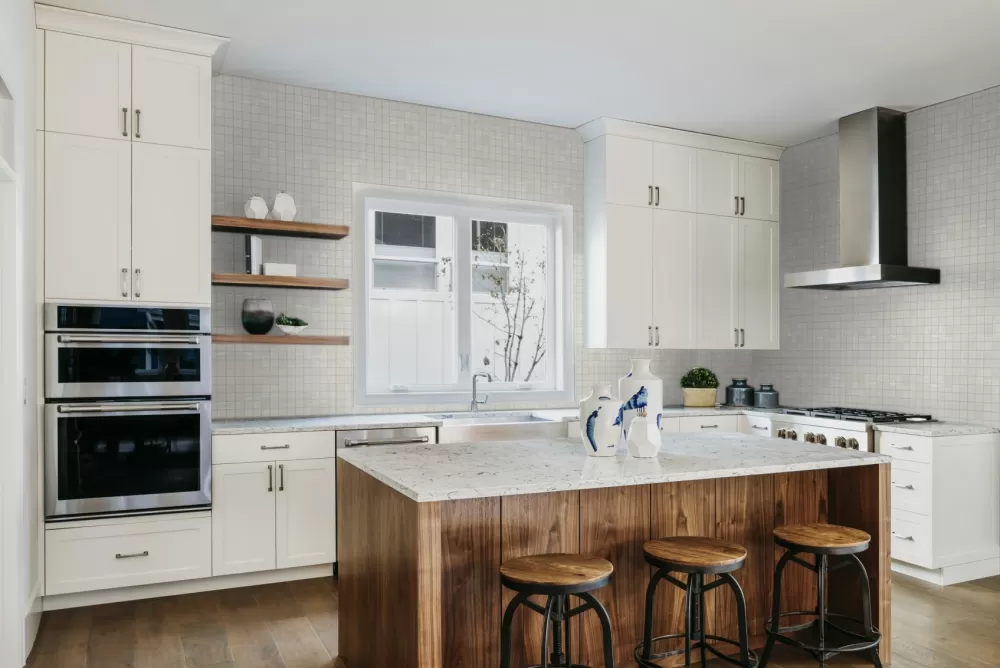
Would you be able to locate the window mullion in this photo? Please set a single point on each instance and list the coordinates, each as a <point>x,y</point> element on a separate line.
<point>463,295</point>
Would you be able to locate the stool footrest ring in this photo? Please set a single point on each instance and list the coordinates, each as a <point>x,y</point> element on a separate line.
<point>815,650</point>
<point>696,644</point>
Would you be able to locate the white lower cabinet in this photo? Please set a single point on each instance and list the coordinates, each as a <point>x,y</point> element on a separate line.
<point>709,423</point>
<point>243,518</point>
<point>306,508</point>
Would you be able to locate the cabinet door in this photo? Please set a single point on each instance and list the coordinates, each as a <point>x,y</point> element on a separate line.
<point>307,512</point>
<point>88,203</point>
<point>629,170</point>
<point>172,98</point>
<point>87,85</point>
<point>759,188</point>
<point>243,517</point>
<point>718,183</point>
<point>171,224</point>
<point>629,276</point>
<point>675,173</point>
<point>717,261</point>
<point>759,287</point>
<point>674,247</point>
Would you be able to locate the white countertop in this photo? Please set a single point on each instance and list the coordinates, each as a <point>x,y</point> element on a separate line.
<point>466,471</point>
<point>936,429</point>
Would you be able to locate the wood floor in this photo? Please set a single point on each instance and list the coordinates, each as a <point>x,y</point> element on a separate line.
<point>294,625</point>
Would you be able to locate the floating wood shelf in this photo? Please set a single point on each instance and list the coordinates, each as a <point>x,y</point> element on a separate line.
<point>279,228</point>
<point>262,281</point>
<point>273,339</point>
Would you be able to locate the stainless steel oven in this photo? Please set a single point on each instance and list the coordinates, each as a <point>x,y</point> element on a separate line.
<point>124,456</point>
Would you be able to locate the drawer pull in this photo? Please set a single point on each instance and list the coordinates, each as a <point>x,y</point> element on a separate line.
<point>902,447</point>
<point>709,426</point>
<point>900,537</point>
<point>897,486</point>
<point>757,426</point>
<point>351,443</point>
<point>286,446</point>
<point>144,553</point>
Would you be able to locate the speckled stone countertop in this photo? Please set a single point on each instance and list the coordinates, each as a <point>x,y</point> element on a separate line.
<point>476,470</point>
<point>936,429</point>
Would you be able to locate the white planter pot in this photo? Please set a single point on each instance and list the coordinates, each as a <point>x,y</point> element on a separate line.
<point>642,395</point>
<point>598,414</point>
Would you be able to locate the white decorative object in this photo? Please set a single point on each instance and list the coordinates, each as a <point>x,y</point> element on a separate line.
<point>292,330</point>
<point>642,395</point>
<point>256,207</point>
<point>279,269</point>
<point>598,417</point>
<point>284,207</point>
<point>644,437</point>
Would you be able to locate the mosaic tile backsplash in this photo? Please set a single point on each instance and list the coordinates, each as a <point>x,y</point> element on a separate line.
<point>315,144</point>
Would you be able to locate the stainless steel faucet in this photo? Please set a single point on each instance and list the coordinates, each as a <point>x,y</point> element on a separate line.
<point>476,403</point>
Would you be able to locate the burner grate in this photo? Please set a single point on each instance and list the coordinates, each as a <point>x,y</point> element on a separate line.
<point>864,415</point>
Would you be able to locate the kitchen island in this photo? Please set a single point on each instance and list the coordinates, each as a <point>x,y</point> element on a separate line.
<point>422,532</point>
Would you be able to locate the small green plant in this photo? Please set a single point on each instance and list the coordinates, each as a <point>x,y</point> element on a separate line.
<point>700,377</point>
<point>290,322</point>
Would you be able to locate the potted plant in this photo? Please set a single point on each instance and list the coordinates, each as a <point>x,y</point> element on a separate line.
<point>700,386</point>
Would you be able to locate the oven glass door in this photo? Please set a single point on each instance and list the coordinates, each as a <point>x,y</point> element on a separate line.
<point>127,456</point>
<point>98,366</point>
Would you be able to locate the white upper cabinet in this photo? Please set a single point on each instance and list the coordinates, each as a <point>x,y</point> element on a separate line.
<point>171,229</point>
<point>758,188</point>
<point>718,183</point>
<point>675,177</point>
<point>629,313</point>
<point>717,267</point>
<point>674,249</point>
<point>171,98</point>
<point>306,512</point>
<point>629,171</point>
<point>88,86</point>
<point>759,285</point>
<point>88,208</point>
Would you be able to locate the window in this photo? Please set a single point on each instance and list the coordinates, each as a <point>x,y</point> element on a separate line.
<point>455,286</point>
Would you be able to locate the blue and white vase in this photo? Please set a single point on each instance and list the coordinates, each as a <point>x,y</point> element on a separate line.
<point>642,395</point>
<point>598,413</point>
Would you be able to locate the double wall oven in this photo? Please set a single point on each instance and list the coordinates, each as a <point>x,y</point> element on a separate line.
<point>128,411</point>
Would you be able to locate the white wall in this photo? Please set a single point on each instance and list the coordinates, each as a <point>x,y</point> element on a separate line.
<point>19,312</point>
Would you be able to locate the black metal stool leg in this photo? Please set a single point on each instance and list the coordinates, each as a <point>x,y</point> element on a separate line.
<point>647,629</point>
<point>866,609</point>
<point>608,640</point>
<point>508,618</point>
<point>701,619</point>
<point>557,658</point>
<point>821,605</point>
<point>775,610</point>
<point>688,619</point>
<point>741,614</point>
<point>545,631</point>
<point>569,635</point>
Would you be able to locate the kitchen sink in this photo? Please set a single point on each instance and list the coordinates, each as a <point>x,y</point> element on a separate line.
<point>470,427</point>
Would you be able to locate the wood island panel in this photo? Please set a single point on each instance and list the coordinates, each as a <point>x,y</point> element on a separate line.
<point>799,498</point>
<point>614,523</point>
<point>536,524</point>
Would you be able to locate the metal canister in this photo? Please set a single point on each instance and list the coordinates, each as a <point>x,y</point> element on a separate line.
<point>766,396</point>
<point>739,393</point>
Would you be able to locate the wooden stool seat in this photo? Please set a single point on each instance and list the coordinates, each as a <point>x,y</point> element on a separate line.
<point>558,570</point>
<point>822,538</point>
<point>695,554</point>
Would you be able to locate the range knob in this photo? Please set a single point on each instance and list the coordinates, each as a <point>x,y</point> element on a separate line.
<point>852,443</point>
<point>840,442</point>
<point>810,437</point>
<point>782,433</point>
<point>792,435</point>
<point>821,439</point>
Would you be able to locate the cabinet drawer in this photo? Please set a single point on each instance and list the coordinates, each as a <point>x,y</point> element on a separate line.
<point>758,426</point>
<point>670,425</point>
<point>911,487</point>
<point>106,556</point>
<point>906,447</point>
<point>709,423</point>
<point>272,447</point>
<point>912,539</point>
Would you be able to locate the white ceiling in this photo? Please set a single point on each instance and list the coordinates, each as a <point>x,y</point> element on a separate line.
<point>777,71</point>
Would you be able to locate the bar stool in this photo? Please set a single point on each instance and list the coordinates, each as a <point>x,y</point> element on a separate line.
<point>824,541</point>
<point>556,576</point>
<point>697,556</point>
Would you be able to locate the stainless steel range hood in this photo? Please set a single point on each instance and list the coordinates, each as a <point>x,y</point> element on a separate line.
<point>872,209</point>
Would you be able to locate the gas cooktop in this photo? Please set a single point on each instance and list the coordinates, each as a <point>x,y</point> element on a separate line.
<point>858,414</point>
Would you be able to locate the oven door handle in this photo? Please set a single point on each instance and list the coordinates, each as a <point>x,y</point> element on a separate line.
<point>119,338</point>
<point>128,407</point>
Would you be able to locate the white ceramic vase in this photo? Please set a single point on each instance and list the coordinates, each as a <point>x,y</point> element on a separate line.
<point>644,437</point>
<point>642,395</point>
<point>284,207</point>
<point>256,208</point>
<point>598,414</point>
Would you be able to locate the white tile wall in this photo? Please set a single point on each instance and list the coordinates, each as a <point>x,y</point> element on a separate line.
<point>923,349</point>
<point>315,144</point>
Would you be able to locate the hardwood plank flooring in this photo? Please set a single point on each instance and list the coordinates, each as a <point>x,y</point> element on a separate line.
<point>293,625</point>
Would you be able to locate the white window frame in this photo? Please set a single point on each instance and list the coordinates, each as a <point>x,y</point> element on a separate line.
<point>559,284</point>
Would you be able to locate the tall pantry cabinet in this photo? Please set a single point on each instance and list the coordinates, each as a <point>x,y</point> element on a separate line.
<point>680,239</point>
<point>126,113</point>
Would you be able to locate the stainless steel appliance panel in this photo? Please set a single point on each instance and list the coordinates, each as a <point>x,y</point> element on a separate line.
<point>400,436</point>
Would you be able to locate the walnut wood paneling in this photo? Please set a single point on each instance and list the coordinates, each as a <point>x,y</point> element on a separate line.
<point>680,509</point>
<point>536,524</point>
<point>860,497</point>
<point>470,553</point>
<point>744,512</point>
<point>799,498</point>
<point>614,522</point>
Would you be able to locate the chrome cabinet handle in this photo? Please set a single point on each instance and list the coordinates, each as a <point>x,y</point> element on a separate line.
<point>144,553</point>
<point>138,284</point>
<point>736,202</point>
<point>657,195</point>
<point>137,112</point>
<point>124,281</point>
<point>736,338</point>
<point>286,446</point>
<point>350,443</point>
<point>124,121</point>
<point>657,335</point>
<point>743,338</point>
<point>650,195</point>
<point>901,537</point>
<point>757,426</point>
<point>709,426</point>
<point>270,477</point>
<point>743,206</point>
<point>902,486</point>
<point>281,477</point>
<point>901,447</point>
<point>650,335</point>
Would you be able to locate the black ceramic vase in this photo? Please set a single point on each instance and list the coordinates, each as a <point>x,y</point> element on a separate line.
<point>258,316</point>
